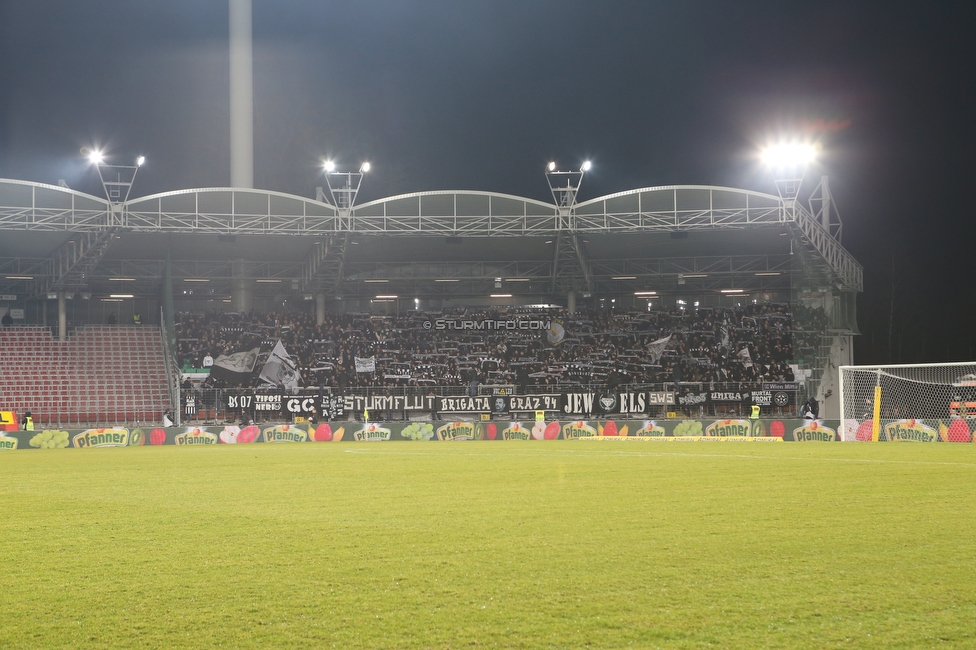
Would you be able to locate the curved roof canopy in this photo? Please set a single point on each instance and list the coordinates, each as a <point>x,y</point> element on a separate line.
<point>60,228</point>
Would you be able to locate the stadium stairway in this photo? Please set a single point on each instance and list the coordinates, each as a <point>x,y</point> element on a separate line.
<point>100,375</point>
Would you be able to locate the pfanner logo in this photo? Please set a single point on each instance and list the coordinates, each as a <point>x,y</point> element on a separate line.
<point>910,431</point>
<point>102,438</point>
<point>726,428</point>
<point>576,430</point>
<point>7,442</point>
<point>372,433</point>
<point>516,432</point>
<point>196,437</point>
<point>285,433</point>
<point>814,432</point>
<point>456,431</point>
<point>650,429</point>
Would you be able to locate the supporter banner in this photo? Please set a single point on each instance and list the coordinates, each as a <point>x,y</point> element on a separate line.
<point>235,368</point>
<point>480,404</point>
<point>258,402</point>
<point>379,404</point>
<point>661,398</point>
<point>367,364</point>
<point>588,403</point>
<point>762,397</point>
<point>793,430</point>
<point>781,385</point>
<point>522,403</point>
<point>280,367</point>
<point>728,396</point>
<point>692,399</point>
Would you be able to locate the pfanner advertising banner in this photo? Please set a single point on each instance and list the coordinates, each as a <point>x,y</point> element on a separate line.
<point>551,427</point>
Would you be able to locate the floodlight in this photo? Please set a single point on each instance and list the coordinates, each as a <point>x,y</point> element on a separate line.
<point>789,155</point>
<point>364,168</point>
<point>140,161</point>
<point>552,167</point>
<point>95,157</point>
<point>329,166</point>
<point>586,166</point>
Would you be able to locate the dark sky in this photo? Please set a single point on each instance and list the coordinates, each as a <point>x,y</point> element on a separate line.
<point>481,94</point>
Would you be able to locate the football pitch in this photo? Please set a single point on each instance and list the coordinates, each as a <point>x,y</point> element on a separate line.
<point>561,544</point>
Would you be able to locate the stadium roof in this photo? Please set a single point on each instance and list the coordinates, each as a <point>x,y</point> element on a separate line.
<point>420,243</point>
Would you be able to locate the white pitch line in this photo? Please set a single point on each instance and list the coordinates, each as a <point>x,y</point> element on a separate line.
<point>592,452</point>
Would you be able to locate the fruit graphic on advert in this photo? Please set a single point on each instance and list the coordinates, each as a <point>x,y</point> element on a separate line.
<point>323,433</point>
<point>492,431</point>
<point>157,436</point>
<point>539,431</point>
<point>777,429</point>
<point>610,428</point>
<point>624,430</point>
<point>552,431</point>
<point>229,435</point>
<point>137,438</point>
<point>864,431</point>
<point>958,432</point>
<point>337,435</point>
<point>248,434</point>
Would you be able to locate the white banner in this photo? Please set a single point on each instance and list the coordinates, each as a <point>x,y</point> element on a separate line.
<point>235,367</point>
<point>367,364</point>
<point>280,367</point>
<point>745,357</point>
<point>656,349</point>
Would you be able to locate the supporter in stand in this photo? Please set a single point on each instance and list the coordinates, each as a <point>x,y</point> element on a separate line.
<point>7,319</point>
<point>744,346</point>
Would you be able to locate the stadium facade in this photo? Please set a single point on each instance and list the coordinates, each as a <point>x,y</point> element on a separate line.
<point>70,258</point>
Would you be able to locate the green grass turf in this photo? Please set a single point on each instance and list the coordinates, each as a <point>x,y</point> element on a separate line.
<point>559,544</point>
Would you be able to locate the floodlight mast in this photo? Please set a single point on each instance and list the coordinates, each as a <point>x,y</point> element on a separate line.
<point>565,195</point>
<point>116,180</point>
<point>344,186</point>
<point>788,162</point>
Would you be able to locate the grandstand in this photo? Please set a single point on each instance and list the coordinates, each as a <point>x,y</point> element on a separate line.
<point>668,259</point>
<point>98,375</point>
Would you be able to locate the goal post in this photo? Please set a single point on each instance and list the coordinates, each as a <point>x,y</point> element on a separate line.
<point>908,402</point>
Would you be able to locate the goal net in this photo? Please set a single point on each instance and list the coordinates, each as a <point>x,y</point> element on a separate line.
<point>928,402</point>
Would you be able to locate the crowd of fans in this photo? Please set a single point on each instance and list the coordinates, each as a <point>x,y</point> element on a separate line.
<point>745,345</point>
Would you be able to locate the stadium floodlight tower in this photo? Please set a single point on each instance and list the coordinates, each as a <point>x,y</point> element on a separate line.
<point>788,162</point>
<point>343,187</point>
<point>116,180</point>
<point>565,195</point>
<point>570,259</point>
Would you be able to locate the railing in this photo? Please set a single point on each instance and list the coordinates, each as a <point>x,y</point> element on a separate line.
<point>172,369</point>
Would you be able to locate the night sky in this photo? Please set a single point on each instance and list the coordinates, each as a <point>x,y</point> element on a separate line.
<point>481,94</point>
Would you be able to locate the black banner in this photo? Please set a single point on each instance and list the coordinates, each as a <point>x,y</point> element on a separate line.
<point>481,404</point>
<point>661,398</point>
<point>526,403</point>
<point>728,396</point>
<point>692,399</point>
<point>392,403</point>
<point>586,403</point>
